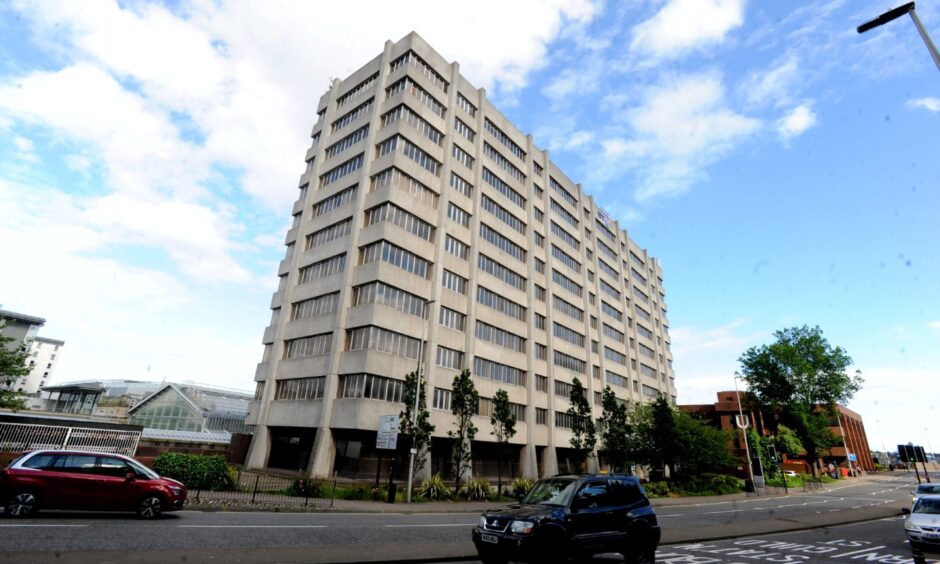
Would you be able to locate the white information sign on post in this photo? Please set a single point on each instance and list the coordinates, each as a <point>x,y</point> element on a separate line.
<point>387,437</point>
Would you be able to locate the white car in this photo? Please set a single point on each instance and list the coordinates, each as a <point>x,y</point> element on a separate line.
<point>924,489</point>
<point>789,473</point>
<point>923,527</point>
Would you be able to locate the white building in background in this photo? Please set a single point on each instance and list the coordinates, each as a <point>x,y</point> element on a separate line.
<point>418,190</point>
<point>44,353</point>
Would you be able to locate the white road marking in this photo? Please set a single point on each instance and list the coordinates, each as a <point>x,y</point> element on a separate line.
<point>251,526</point>
<point>43,525</point>
<point>434,525</point>
<point>716,512</point>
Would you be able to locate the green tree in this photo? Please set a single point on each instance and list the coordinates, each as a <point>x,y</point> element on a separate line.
<point>419,433</point>
<point>504,429</point>
<point>701,447</point>
<point>465,402</point>
<point>787,442</point>
<point>800,378</point>
<point>614,431</point>
<point>13,364</point>
<point>583,430</point>
<point>664,436</point>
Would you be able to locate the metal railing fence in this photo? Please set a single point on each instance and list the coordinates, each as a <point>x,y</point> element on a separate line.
<point>21,437</point>
<point>251,488</point>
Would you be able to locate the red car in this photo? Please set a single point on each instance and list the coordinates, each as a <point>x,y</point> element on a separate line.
<point>98,481</point>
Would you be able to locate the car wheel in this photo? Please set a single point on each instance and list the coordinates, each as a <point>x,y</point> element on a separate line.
<point>150,507</point>
<point>20,505</point>
<point>552,546</point>
<point>920,560</point>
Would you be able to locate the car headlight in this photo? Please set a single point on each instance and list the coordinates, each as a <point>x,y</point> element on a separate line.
<point>522,527</point>
<point>482,522</point>
<point>909,526</point>
<point>176,490</point>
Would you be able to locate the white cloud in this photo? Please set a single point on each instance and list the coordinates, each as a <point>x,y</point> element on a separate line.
<point>796,122</point>
<point>681,127</point>
<point>934,325</point>
<point>930,104</point>
<point>579,139</point>
<point>24,149</point>
<point>684,25</point>
<point>773,86</point>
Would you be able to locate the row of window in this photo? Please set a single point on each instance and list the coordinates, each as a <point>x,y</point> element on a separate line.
<point>406,220</point>
<point>560,190</point>
<point>341,170</point>
<point>322,269</point>
<point>300,388</point>
<point>565,236</point>
<point>382,293</point>
<point>502,214</point>
<point>503,162</point>
<point>502,243</point>
<point>410,86</point>
<point>335,201</point>
<point>496,269</point>
<point>566,283</point>
<point>314,345</point>
<point>347,142</point>
<point>561,211</point>
<point>383,340</point>
<point>500,304</point>
<point>397,179</point>
<point>395,255</point>
<point>460,185</point>
<point>329,233</point>
<point>410,58</point>
<point>449,358</point>
<point>357,91</point>
<point>567,259</point>
<point>370,386</point>
<point>498,372</point>
<point>569,362</point>
<point>464,129</point>
<point>351,116</point>
<point>497,336</point>
<point>456,247</point>
<point>404,113</point>
<point>503,188</point>
<point>410,150</point>
<point>504,139</point>
<point>567,308</point>
<point>458,214</point>
<point>320,305</point>
<point>567,334</point>
<point>462,156</point>
<point>466,105</point>
<point>452,319</point>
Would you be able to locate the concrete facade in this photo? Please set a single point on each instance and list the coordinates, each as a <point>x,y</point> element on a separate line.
<point>43,352</point>
<point>420,190</point>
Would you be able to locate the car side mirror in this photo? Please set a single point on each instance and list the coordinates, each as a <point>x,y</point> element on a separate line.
<point>905,511</point>
<point>130,476</point>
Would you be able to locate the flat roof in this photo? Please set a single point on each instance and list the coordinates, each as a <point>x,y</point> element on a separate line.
<point>22,317</point>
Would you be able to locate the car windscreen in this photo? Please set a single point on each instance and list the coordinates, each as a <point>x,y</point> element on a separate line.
<point>928,489</point>
<point>929,505</point>
<point>551,492</point>
<point>142,470</point>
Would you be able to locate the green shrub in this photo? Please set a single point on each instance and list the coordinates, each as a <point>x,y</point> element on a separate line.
<point>312,487</point>
<point>435,488</point>
<point>521,486</point>
<point>656,489</point>
<point>478,490</point>
<point>358,492</point>
<point>196,471</point>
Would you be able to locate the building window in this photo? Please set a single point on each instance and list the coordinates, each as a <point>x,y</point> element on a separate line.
<point>539,321</point>
<point>393,214</point>
<point>329,233</point>
<point>499,372</point>
<point>462,157</point>
<point>300,388</point>
<point>502,214</point>
<point>396,256</point>
<point>501,337</point>
<point>458,215</point>
<point>541,383</point>
<point>464,129</point>
<point>503,188</point>
<point>452,319</point>
<point>351,116</point>
<point>335,201</point>
<point>379,339</point>
<point>454,282</point>
<point>449,358</point>
<point>567,334</point>
<point>347,142</point>
<point>568,309</point>
<point>460,185</point>
<point>382,293</point>
<point>466,105</point>
<point>541,351</point>
<point>442,399</point>
<point>401,181</point>
<point>404,113</point>
<point>560,190</point>
<point>569,362</point>
<point>342,170</point>
<point>370,386</point>
<point>320,305</point>
<point>423,96</point>
<point>316,345</point>
<point>540,416</point>
<point>499,303</point>
<point>496,269</point>
<point>456,248</point>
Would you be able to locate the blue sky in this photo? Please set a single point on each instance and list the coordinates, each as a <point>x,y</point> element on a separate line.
<point>782,167</point>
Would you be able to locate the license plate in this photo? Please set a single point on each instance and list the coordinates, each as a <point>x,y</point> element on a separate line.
<point>932,535</point>
<point>490,538</point>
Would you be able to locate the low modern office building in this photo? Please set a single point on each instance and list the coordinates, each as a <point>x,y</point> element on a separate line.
<point>723,414</point>
<point>427,221</point>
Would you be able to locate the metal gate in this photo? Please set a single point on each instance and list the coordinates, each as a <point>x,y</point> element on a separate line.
<point>21,437</point>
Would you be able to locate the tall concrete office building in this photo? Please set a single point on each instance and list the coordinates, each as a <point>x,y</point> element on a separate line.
<point>419,191</point>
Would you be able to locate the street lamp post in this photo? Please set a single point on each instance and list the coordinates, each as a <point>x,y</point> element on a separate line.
<point>414,412</point>
<point>897,13</point>
<point>744,424</point>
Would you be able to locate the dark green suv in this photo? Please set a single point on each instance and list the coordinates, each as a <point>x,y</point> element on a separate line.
<point>568,517</point>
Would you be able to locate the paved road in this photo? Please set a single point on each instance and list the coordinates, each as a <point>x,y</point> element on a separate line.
<point>334,537</point>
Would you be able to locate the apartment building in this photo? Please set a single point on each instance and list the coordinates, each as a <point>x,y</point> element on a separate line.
<point>426,221</point>
<point>43,352</point>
